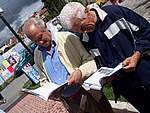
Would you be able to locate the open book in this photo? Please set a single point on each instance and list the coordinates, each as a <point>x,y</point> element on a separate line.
<point>96,80</point>
<point>47,90</point>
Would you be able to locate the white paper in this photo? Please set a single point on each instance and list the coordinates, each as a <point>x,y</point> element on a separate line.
<point>94,81</point>
<point>45,91</point>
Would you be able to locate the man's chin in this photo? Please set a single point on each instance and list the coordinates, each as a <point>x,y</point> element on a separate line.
<point>88,31</point>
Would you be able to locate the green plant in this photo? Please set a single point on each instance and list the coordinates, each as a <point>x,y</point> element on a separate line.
<point>108,91</point>
<point>30,85</point>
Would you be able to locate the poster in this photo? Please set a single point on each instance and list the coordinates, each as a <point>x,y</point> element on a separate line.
<point>31,73</point>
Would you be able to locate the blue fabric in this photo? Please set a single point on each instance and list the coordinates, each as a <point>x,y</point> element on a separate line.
<point>141,36</point>
<point>56,70</point>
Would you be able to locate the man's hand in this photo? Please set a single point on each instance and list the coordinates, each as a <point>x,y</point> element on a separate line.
<point>129,64</point>
<point>74,77</point>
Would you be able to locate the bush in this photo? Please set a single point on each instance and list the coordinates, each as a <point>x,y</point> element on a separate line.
<point>30,85</point>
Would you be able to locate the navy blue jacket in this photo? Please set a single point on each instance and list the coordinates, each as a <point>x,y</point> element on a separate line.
<point>117,35</point>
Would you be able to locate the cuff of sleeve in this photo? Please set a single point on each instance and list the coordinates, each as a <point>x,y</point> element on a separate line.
<point>85,74</point>
<point>140,49</point>
<point>82,74</point>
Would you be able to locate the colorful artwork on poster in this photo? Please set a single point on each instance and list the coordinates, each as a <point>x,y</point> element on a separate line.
<point>16,56</point>
<point>31,73</point>
<point>1,80</point>
<point>2,68</point>
<point>5,63</point>
<point>10,69</point>
<point>6,74</point>
<point>11,60</point>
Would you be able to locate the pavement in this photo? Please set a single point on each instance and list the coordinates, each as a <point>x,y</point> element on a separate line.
<point>34,104</point>
<point>13,91</point>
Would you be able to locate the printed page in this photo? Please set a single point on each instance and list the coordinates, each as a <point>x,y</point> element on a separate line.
<point>48,89</point>
<point>94,81</point>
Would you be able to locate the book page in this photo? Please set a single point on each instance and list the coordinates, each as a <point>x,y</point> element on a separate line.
<point>46,90</point>
<point>94,81</point>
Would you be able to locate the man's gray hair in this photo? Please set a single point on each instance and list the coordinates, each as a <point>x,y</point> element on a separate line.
<point>36,21</point>
<point>69,11</point>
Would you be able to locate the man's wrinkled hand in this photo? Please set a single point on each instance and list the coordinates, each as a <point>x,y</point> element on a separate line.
<point>74,77</point>
<point>129,64</point>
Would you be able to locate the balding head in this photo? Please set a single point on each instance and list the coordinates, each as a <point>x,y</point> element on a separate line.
<point>36,30</point>
<point>32,24</point>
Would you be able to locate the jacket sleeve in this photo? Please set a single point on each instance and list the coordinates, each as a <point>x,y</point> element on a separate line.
<point>142,35</point>
<point>39,64</point>
<point>140,28</point>
<point>88,65</point>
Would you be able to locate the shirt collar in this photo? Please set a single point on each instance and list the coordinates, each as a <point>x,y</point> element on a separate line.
<point>53,45</point>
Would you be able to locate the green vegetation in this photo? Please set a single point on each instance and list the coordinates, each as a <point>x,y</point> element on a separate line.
<point>30,85</point>
<point>108,91</point>
<point>54,7</point>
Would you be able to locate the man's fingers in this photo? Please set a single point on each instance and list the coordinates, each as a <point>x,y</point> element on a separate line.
<point>70,80</point>
<point>129,68</point>
<point>126,62</point>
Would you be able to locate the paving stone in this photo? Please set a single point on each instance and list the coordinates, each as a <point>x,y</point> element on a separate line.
<point>33,104</point>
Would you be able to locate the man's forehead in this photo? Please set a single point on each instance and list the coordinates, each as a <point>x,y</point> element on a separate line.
<point>32,30</point>
<point>32,27</point>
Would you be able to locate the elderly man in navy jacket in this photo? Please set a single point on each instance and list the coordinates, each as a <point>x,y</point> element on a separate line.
<point>115,34</point>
